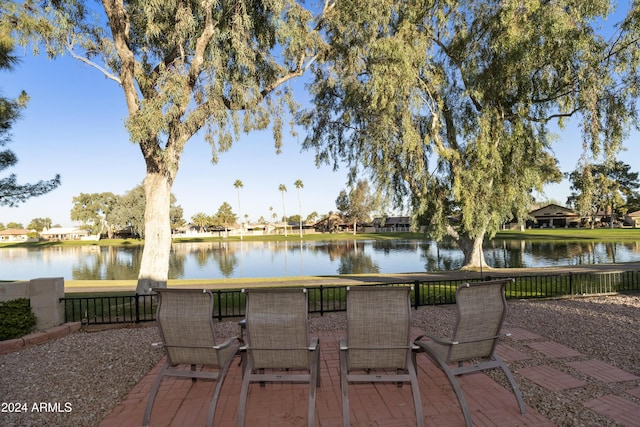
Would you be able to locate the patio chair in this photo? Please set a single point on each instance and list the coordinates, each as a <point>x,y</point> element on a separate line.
<point>188,336</point>
<point>278,348</point>
<point>481,310</point>
<point>377,342</point>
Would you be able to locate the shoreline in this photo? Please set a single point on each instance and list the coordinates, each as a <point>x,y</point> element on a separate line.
<point>98,286</point>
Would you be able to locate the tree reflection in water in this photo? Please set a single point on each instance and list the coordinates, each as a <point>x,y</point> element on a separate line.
<point>224,259</point>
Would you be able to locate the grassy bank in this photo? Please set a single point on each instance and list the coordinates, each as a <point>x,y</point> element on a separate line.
<point>117,287</point>
<point>575,234</point>
<point>291,237</point>
<point>566,234</point>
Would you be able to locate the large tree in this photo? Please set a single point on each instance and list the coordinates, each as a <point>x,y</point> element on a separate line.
<point>11,192</point>
<point>356,206</point>
<point>110,212</point>
<point>299,184</point>
<point>237,184</point>
<point>224,217</point>
<point>40,224</point>
<point>601,187</point>
<point>448,104</point>
<point>183,66</point>
<point>96,210</point>
<point>283,189</point>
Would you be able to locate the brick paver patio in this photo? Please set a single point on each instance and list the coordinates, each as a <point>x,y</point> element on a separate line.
<point>183,403</point>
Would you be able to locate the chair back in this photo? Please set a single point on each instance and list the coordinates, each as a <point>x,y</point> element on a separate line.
<point>481,310</point>
<point>378,324</point>
<point>186,326</point>
<point>277,328</point>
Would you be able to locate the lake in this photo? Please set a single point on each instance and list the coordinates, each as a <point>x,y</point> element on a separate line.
<point>212,260</point>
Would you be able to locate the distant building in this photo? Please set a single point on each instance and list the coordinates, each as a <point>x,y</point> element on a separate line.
<point>553,216</point>
<point>16,235</point>
<point>632,219</point>
<point>332,223</point>
<point>392,224</point>
<point>64,233</point>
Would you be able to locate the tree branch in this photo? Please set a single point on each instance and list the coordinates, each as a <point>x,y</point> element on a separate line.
<point>93,64</point>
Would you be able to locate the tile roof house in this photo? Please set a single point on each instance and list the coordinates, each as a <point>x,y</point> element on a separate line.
<point>64,233</point>
<point>392,224</point>
<point>632,218</point>
<point>15,235</point>
<point>553,216</point>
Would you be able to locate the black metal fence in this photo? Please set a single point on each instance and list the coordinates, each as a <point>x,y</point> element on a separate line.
<point>230,303</point>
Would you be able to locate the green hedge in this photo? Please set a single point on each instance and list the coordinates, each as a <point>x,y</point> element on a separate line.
<point>16,319</point>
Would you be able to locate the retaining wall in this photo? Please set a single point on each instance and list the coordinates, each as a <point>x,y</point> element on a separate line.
<point>44,294</point>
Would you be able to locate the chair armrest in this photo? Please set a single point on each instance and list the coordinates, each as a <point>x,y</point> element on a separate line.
<point>479,339</point>
<point>228,343</point>
<point>437,340</point>
<point>315,343</point>
<point>343,344</point>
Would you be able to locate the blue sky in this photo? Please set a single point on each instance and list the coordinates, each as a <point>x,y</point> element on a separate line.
<point>74,126</point>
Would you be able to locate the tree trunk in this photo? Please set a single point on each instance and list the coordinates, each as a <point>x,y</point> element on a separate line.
<point>154,266</point>
<point>473,254</point>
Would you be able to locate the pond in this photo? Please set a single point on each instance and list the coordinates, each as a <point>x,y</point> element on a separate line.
<point>214,260</point>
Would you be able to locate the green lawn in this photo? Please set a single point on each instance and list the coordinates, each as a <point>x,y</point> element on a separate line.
<point>291,237</point>
<point>567,234</point>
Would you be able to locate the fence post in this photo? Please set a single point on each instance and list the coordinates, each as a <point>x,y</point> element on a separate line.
<point>570,283</point>
<point>321,300</point>
<point>219,294</point>
<point>137,301</point>
<point>416,294</point>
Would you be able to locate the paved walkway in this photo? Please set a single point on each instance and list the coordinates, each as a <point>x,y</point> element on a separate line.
<point>183,403</point>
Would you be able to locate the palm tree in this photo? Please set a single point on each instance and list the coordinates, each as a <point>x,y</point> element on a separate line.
<point>274,215</point>
<point>238,185</point>
<point>283,188</point>
<point>200,220</point>
<point>299,185</point>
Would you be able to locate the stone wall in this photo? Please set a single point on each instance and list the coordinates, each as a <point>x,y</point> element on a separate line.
<point>44,294</point>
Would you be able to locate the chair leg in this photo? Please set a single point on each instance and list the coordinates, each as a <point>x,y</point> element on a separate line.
<point>514,385</point>
<point>216,392</point>
<point>313,383</point>
<point>244,391</point>
<point>152,394</point>
<point>318,381</point>
<point>415,389</point>
<point>344,384</point>
<point>461,399</point>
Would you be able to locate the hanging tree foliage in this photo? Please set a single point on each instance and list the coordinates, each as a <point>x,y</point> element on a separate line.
<point>13,193</point>
<point>448,104</point>
<point>183,66</point>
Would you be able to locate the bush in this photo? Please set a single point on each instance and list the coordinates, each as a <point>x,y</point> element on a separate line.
<point>16,319</point>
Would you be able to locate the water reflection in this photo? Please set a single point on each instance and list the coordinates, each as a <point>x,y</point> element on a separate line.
<point>274,259</point>
<point>354,259</point>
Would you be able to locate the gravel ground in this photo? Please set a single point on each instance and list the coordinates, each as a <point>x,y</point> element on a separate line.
<point>80,378</point>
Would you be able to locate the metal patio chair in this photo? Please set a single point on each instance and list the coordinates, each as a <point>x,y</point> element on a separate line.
<point>481,310</point>
<point>378,341</point>
<point>278,347</point>
<point>188,336</point>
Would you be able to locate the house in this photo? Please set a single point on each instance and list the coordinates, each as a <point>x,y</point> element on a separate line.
<point>632,219</point>
<point>392,224</point>
<point>16,235</point>
<point>553,216</point>
<point>331,223</point>
<point>64,233</point>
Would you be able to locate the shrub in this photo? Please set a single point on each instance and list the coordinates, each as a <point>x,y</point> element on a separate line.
<point>16,318</point>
